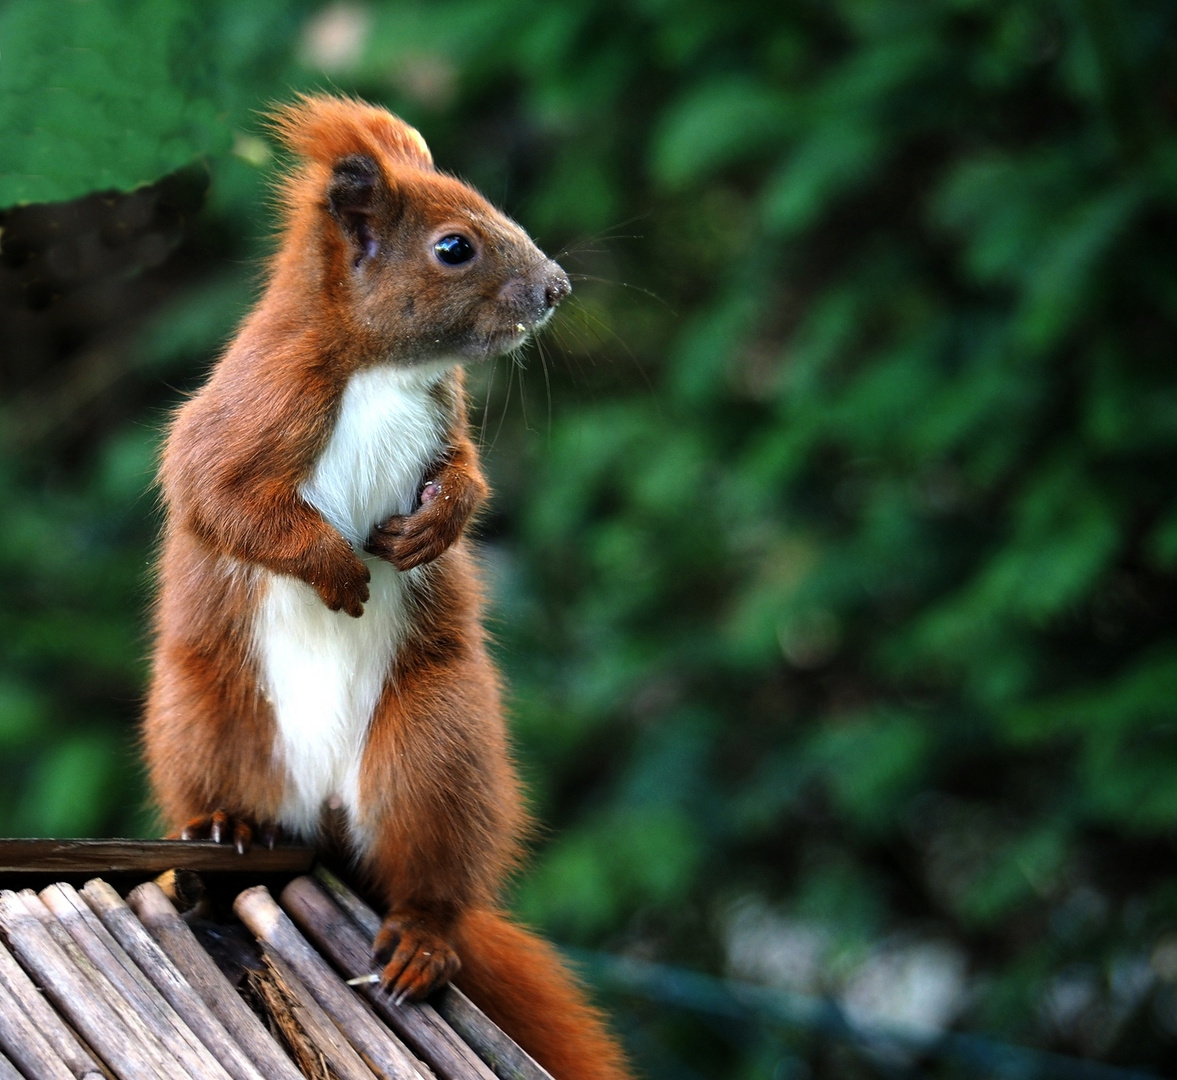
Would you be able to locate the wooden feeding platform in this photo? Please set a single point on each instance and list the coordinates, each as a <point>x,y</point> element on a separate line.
<point>102,976</point>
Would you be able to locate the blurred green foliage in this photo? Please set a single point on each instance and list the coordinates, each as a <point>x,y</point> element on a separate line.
<point>834,550</point>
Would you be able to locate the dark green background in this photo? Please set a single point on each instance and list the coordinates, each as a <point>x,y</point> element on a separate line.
<point>834,547</point>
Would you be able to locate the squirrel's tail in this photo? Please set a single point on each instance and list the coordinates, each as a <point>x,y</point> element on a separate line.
<point>521,983</point>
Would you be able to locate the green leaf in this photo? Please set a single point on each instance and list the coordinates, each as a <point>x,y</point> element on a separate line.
<point>99,95</point>
<point>872,765</point>
<point>829,162</point>
<point>1017,873</point>
<point>717,125</point>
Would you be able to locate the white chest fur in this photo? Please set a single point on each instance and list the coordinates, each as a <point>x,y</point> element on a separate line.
<point>324,671</point>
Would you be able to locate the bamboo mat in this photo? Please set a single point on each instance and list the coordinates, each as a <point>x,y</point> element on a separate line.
<point>95,984</point>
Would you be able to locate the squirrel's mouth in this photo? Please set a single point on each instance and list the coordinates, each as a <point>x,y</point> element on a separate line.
<point>517,333</point>
<point>504,341</point>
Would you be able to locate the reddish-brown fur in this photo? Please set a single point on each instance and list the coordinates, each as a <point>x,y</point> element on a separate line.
<point>351,286</point>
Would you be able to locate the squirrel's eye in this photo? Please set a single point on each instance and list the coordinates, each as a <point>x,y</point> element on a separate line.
<point>454,249</point>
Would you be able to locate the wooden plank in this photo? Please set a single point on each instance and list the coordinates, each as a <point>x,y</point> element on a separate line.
<point>341,941</point>
<point>148,857</point>
<point>101,988</point>
<point>8,1072</point>
<point>506,1058</point>
<point>120,920</point>
<point>380,1048</point>
<point>175,938</point>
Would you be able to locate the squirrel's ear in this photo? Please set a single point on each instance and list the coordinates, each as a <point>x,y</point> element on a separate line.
<point>356,192</point>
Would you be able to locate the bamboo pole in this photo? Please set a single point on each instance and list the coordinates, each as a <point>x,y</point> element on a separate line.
<point>51,1027</point>
<point>385,1054</point>
<point>136,989</point>
<point>8,1071</point>
<point>120,921</point>
<point>101,988</point>
<point>506,1058</point>
<point>147,1040</point>
<point>362,915</point>
<point>174,937</point>
<point>25,1045</point>
<point>72,992</point>
<point>345,1062</point>
<point>345,945</point>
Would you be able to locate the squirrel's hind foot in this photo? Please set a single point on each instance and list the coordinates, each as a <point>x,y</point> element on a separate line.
<point>223,828</point>
<point>416,960</point>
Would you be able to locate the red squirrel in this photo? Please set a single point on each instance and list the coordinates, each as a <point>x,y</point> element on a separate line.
<point>319,654</point>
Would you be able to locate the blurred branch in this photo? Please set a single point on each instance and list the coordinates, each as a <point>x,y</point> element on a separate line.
<point>743,1001</point>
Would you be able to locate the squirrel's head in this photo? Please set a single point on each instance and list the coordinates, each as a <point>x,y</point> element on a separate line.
<point>415,264</point>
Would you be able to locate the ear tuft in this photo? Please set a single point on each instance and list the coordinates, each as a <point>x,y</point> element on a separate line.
<point>324,128</point>
<point>352,199</point>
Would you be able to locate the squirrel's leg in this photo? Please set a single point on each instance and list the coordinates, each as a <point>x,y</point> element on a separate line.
<point>441,806</point>
<point>208,734</point>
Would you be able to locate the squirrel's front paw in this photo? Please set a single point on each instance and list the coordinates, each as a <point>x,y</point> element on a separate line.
<point>406,540</point>
<point>444,505</point>
<point>417,960</point>
<point>344,586</point>
<point>409,540</point>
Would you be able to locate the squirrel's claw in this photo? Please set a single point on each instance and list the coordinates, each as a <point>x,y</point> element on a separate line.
<point>418,960</point>
<point>222,828</point>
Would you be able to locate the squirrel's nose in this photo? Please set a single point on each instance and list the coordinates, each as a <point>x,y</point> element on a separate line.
<point>558,286</point>
<point>535,294</point>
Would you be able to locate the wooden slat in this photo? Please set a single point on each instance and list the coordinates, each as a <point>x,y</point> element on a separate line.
<point>7,1070</point>
<point>24,1044</point>
<point>506,1059</point>
<point>101,988</point>
<point>133,986</point>
<point>65,1044</point>
<point>345,1062</point>
<point>72,991</point>
<point>149,857</point>
<point>381,1049</point>
<point>120,920</point>
<point>341,941</point>
<point>173,935</point>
